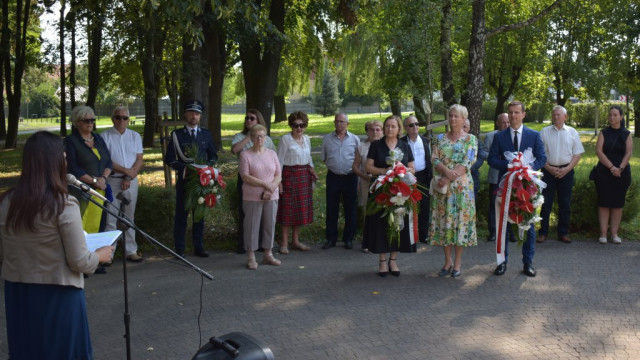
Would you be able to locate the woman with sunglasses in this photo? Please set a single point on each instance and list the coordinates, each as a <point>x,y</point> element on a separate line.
<point>89,160</point>
<point>295,207</point>
<point>240,142</point>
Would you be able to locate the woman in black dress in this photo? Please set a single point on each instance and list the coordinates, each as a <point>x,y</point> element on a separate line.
<point>613,173</point>
<point>375,229</point>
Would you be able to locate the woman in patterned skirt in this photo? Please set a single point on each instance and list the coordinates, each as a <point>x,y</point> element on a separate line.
<point>295,207</point>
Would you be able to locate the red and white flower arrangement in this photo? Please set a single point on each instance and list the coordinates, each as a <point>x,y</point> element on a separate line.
<point>202,188</point>
<point>519,198</point>
<point>396,194</point>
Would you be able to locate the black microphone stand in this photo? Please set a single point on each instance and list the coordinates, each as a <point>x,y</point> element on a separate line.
<point>126,223</point>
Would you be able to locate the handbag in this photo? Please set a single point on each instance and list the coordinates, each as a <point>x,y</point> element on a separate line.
<point>434,185</point>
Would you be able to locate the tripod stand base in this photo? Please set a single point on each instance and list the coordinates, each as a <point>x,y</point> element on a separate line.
<point>234,345</point>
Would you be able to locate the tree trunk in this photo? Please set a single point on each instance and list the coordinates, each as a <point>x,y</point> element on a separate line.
<point>3,44</point>
<point>63,87</point>
<point>394,102</point>
<point>260,66</point>
<point>446,61</point>
<point>13,82</point>
<point>216,50</point>
<point>150,56</point>
<point>193,74</point>
<point>636,112</point>
<point>72,69</point>
<point>419,110</point>
<point>94,35</point>
<point>475,81</point>
<point>280,108</point>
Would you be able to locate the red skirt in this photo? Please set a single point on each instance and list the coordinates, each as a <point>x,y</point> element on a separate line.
<point>295,206</point>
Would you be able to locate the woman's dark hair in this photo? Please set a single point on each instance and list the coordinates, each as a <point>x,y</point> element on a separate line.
<point>298,115</point>
<point>621,112</point>
<point>258,115</point>
<point>42,188</point>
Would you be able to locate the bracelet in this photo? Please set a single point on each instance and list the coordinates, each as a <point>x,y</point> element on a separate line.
<point>127,177</point>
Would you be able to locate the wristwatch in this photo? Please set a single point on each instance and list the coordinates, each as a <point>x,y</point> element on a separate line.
<point>95,181</point>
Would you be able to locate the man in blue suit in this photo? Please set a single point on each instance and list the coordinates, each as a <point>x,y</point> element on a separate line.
<point>178,158</point>
<point>517,138</point>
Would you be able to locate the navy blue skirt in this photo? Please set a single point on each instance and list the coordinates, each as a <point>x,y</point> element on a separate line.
<point>46,321</point>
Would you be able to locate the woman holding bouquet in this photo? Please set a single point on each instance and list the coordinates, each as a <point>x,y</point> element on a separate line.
<point>453,223</point>
<point>295,207</point>
<point>260,171</point>
<point>375,228</point>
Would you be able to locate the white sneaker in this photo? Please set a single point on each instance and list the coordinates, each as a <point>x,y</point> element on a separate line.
<point>617,240</point>
<point>602,240</point>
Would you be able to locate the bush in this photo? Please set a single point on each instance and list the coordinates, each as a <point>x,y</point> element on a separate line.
<point>488,110</point>
<point>583,114</point>
<point>537,112</point>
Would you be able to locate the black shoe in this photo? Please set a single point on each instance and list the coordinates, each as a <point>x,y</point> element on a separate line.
<point>100,270</point>
<point>328,245</point>
<point>383,273</point>
<point>179,252</point>
<point>424,241</point>
<point>501,269</point>
<point>456,273</point>
<point>201,253</point>
<point>528,270</point>
<point>348,245</point>
<point>491,238</point>
<point>395,273</point>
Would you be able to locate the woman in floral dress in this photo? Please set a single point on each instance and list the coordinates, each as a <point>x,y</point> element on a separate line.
<point>453,211</point>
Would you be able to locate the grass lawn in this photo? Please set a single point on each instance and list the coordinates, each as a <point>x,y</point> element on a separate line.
<point>155,206</point>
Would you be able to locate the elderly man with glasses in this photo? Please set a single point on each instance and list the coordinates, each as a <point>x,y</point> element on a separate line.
<point>338,152</point>
<point>125,146</point>
<point>419,145</point>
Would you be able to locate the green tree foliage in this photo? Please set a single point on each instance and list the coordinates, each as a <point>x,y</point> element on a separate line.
<point>328,101</point>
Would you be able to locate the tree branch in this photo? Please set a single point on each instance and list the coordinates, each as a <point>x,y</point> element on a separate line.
<point>531,20</point>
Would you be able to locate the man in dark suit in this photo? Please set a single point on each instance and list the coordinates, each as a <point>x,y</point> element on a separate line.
<point>517,138</point>
<point>420,147</point>
<point>178,158</point>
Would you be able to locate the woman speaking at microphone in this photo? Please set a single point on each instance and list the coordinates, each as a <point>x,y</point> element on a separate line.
<point>44,255</point>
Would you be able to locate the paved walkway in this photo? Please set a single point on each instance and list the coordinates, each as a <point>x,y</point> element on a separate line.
<point>329,304</point>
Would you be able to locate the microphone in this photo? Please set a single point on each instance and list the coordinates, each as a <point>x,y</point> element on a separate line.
<point>71,180</point>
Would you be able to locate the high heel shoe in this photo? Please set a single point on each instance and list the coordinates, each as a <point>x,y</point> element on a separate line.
<point>445,272</point>
<point>395,273</point>
<point>456,273</point>
<point>383,273</point>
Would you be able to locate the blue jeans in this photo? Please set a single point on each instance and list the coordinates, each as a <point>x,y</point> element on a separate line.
<point>563,187</point>
<point>345,186</point>
<point>528,248</point>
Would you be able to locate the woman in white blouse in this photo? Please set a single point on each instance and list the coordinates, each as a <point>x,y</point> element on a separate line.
<point>295,207</point>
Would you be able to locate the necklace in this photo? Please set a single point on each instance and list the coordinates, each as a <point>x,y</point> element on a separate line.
<point>88,140</point>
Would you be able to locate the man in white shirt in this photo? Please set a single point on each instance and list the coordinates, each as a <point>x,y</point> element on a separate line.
<point>419,145</point>
<point>563,148</point>
<point>125,147</point>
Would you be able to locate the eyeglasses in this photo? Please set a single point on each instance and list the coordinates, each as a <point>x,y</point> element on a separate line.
<point>88,121</point>
<point>413,125</point>
<point>259,136</point>
<point>250,118</point>
<point>298,126</point>
<point>119,117</point>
